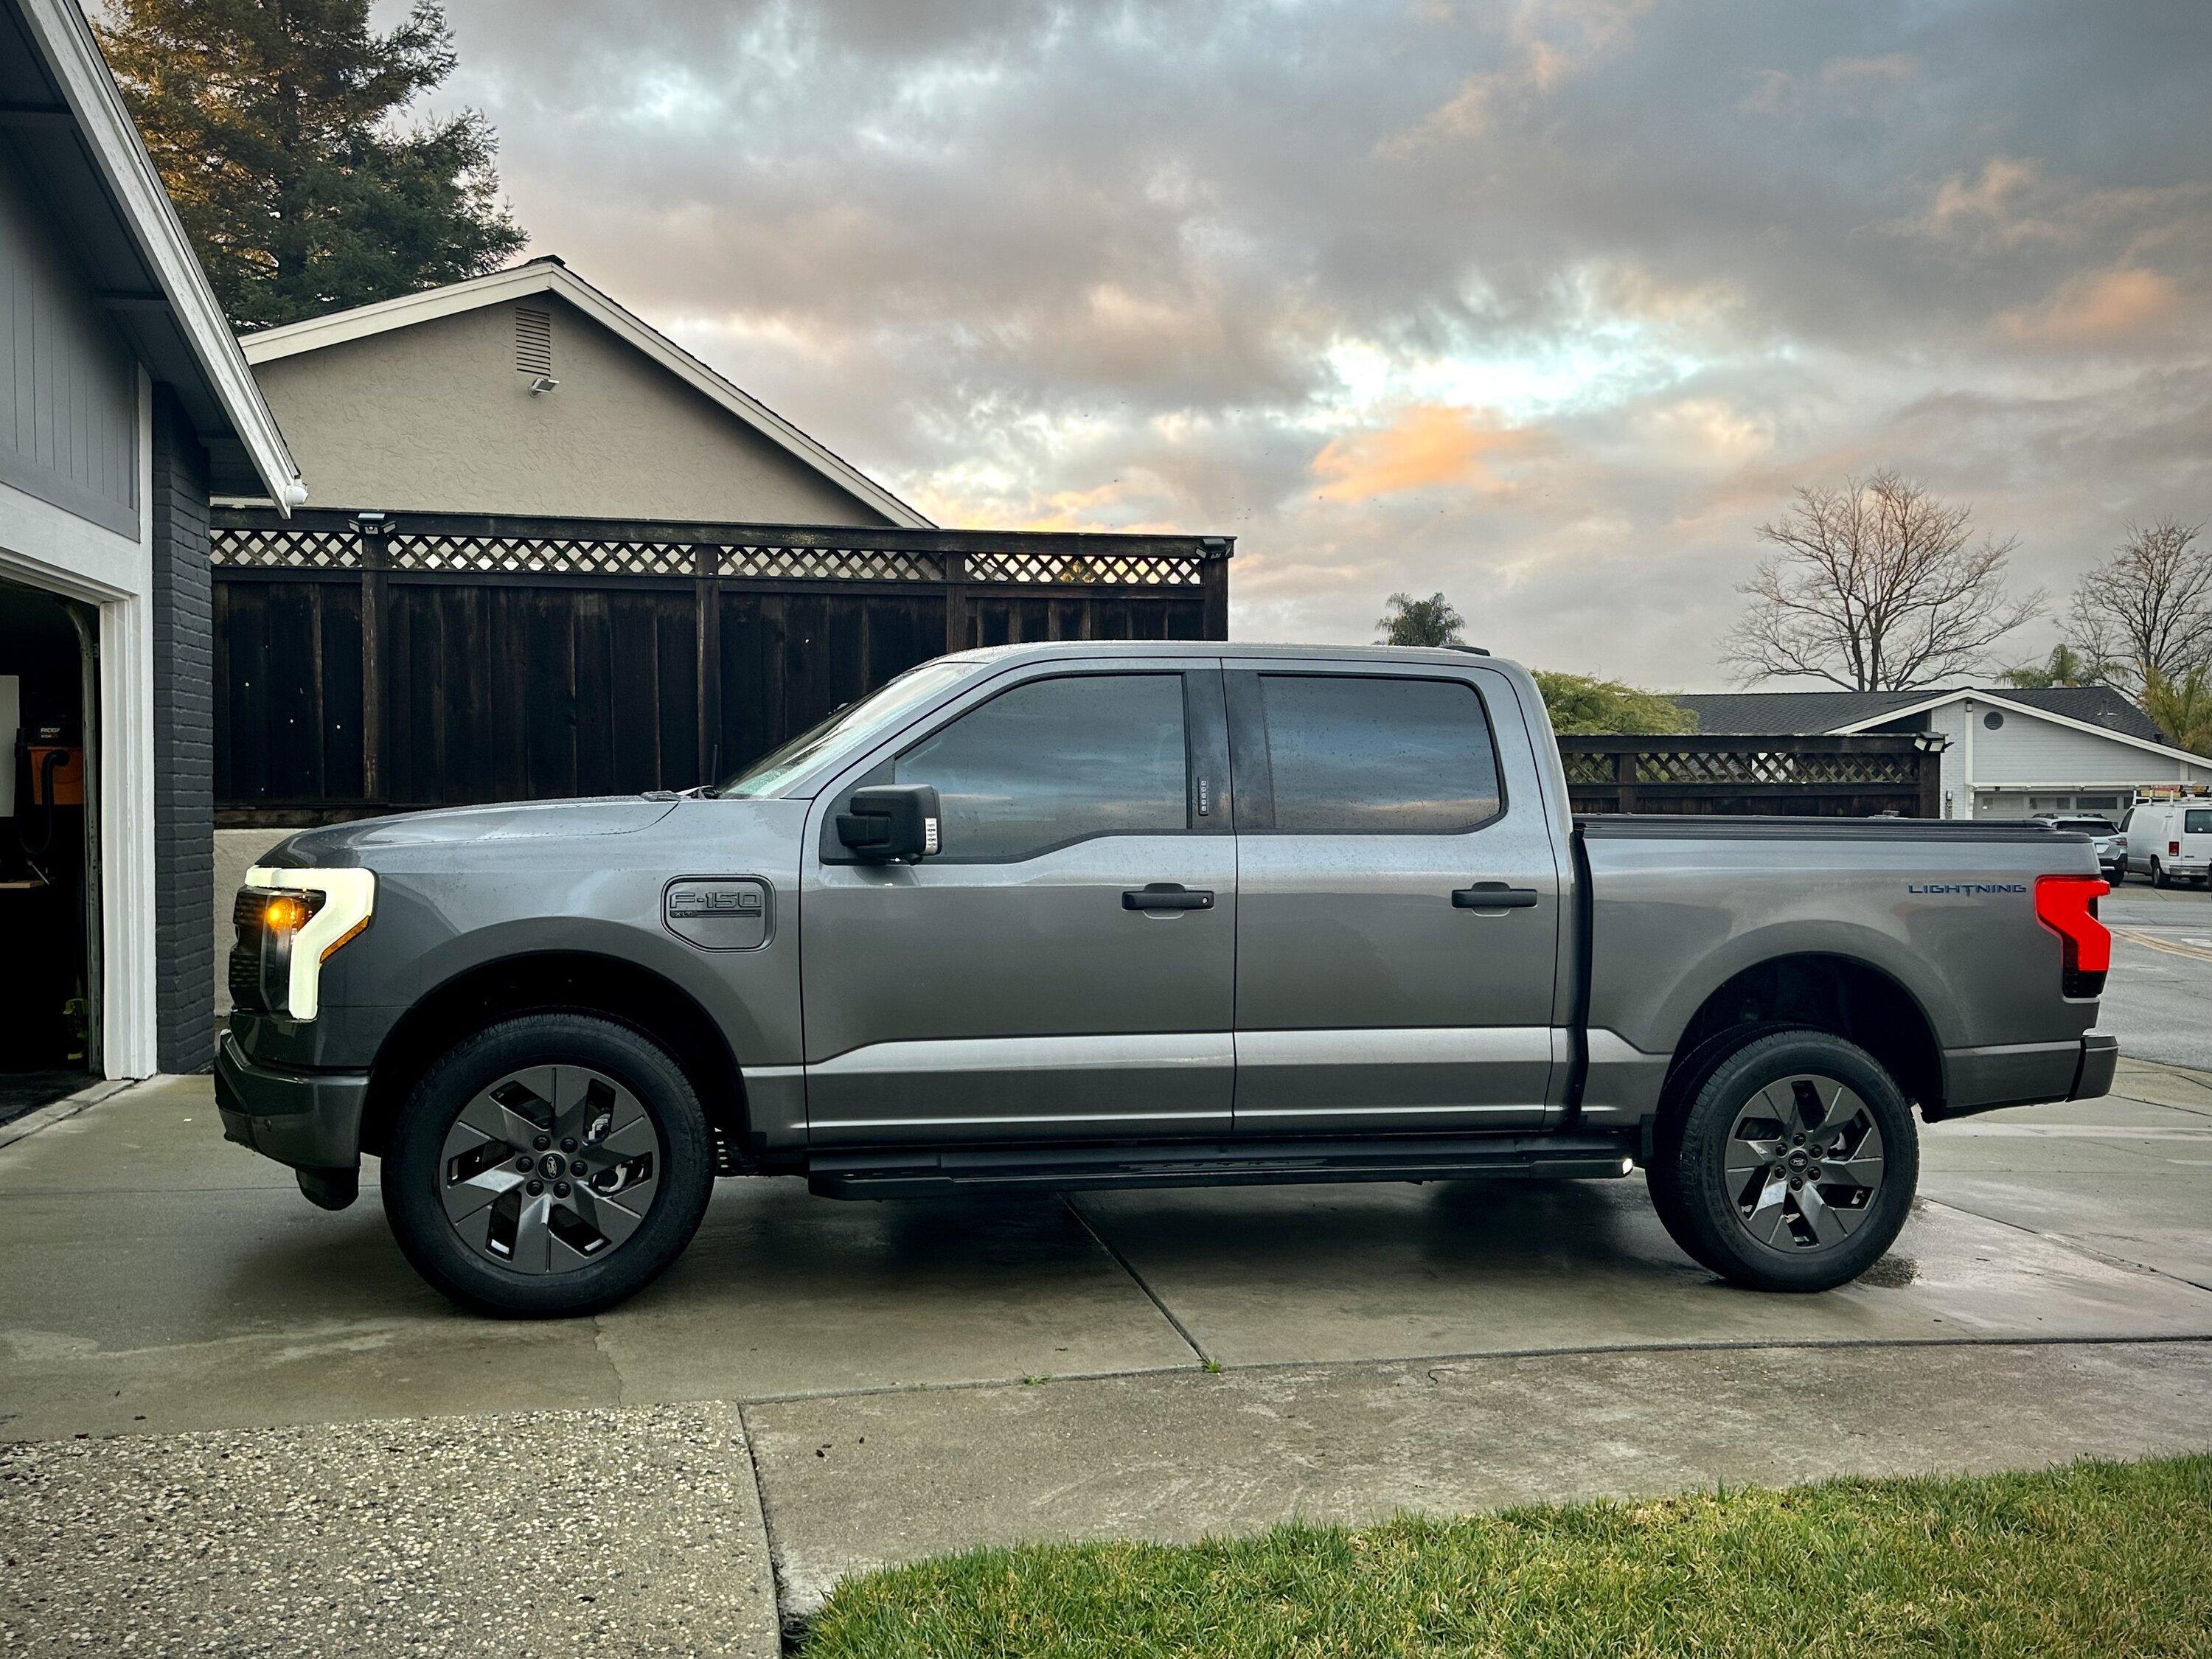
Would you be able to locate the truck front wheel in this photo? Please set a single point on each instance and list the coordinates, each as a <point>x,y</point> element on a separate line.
<point>551,1164</point>
<point>1791,1165</point>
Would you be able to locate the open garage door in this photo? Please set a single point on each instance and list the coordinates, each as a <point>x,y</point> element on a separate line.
<point>49,849</point>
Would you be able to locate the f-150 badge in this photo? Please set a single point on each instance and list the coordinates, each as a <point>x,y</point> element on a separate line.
<point>717,913</point>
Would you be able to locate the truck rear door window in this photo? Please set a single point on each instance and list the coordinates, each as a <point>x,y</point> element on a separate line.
<point>1355,754</point>
<point>1057,761</point>
<point>2198,821</point>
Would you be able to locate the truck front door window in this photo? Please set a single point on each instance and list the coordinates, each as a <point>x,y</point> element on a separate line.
<point>1056,762</point>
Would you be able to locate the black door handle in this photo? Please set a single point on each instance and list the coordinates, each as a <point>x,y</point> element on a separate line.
<point>1493,895</point>
<point>1167,896</point>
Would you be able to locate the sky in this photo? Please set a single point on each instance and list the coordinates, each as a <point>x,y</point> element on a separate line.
<point>1546,305</point>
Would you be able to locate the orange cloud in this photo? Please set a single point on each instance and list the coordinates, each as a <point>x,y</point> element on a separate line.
<point>1430,445</point>
<point>2106,304</point>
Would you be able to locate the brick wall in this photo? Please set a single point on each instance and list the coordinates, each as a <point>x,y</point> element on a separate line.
<point>184,745</point>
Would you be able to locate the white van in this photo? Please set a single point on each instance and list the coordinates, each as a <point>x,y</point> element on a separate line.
<point>2169,840</point>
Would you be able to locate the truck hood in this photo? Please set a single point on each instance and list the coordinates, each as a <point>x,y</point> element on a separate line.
<point>345,844</point>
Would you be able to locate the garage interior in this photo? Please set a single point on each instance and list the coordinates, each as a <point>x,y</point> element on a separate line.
<point>48,974</point>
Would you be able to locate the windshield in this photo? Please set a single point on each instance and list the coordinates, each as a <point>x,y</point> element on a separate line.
<point>849,727</point>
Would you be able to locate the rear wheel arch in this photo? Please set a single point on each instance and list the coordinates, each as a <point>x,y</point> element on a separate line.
<point>559,982</point>
<point>1846,996</point>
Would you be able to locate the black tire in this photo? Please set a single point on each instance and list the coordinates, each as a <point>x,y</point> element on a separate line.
<point>2157,873</point>
<point>415,1169</point>
<point>1698,1201</point>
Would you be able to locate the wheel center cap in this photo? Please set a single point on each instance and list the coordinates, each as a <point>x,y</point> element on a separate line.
<point>550,1166</point>
<point>1796,1160</point>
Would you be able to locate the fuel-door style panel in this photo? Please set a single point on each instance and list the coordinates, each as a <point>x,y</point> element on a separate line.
<point>720,913</point>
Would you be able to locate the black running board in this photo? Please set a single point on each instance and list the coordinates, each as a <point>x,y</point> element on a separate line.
<point>1211,1164</point>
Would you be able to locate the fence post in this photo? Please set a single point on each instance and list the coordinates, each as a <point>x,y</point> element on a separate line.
<point>1213,587</point>
<point>955,601</point>
<point>707,619</point>
<point>375,533</point>
<point>1624,778</point>
<point>1931,781</point>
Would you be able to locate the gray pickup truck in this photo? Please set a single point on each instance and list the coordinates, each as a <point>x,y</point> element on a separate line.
<point>1075,916</point>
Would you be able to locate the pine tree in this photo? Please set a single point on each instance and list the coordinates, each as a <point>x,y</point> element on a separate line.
<point>279,127</point>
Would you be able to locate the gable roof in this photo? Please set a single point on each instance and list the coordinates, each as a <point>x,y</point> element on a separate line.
<point>2097,709</point>
<point>1781,713</point>
<point>62,117</point>
<point>1790,714</point>
<point>547,275</point>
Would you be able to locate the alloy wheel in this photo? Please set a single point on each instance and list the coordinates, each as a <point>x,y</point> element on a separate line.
<point>550,1169</point>
<point>1803,1164</point>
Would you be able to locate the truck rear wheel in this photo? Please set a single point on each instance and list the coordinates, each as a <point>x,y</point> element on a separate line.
<point>1790,1166</point>
<point>550,1165</point>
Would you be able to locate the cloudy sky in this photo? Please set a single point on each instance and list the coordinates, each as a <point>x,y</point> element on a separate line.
<point>1544,304</point>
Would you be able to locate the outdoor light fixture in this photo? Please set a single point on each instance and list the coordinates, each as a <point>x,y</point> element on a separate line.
<point>542,383</point>
<point>1931,743</point>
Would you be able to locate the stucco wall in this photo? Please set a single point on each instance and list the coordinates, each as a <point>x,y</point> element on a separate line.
<point>436,418</point>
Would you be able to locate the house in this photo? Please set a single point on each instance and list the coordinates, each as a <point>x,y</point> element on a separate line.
<point>2008,753</point>
<point>529,392</point>
<point>124,403</point>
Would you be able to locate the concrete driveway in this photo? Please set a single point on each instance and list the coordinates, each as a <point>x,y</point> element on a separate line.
<point>896,1379</point>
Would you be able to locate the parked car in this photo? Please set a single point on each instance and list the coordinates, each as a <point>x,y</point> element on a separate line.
<point>1083,915</point>
<point>2168,840</point>
<point>2104,840</point>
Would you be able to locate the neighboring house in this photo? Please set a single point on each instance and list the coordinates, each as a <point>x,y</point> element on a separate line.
<point>529,391</point>
<point>124,402</point>
<point>2010,753</point>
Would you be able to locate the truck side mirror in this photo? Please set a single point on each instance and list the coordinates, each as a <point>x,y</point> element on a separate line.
<point>889,823</point>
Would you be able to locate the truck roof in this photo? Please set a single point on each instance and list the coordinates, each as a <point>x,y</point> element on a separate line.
<point>1045,650</point>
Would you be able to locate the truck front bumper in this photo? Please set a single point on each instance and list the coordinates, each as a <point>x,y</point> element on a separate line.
<point>309,1120</point>
<point>2025,1075</point>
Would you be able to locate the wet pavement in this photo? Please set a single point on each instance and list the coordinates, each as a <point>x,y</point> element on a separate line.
<point>1119,1364</point>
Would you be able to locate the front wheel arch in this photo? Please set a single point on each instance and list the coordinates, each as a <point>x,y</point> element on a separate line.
<point>582,982</point>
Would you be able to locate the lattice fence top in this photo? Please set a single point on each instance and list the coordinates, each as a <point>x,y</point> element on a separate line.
<point>548,555</point>
<point>1079,569</point>
<point>832,563</point>
<point>297,546</point>
<point>288,547</point>
<point>1746,766</point>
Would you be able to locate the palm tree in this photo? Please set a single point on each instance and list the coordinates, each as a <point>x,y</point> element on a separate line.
<point>2064,666</point>
<point>2182,708</point>
<point>1410,621</point>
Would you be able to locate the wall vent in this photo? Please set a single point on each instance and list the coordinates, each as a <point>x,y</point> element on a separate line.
<point>533,341</point>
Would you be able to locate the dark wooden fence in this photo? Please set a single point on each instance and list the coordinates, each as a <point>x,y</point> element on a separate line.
<point>367,663</point>
<point>1796,777</point>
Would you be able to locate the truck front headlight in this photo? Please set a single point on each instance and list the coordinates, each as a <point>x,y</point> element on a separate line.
<point>288,923</point>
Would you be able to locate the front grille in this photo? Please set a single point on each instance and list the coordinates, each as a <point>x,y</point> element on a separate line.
<point>245,955</point>
<point>246,980</point>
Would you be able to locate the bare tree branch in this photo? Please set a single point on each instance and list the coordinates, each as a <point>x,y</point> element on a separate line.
<point>2147,610</point>
<point>1875,586</point>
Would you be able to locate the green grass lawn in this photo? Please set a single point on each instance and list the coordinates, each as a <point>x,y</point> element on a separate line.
<point>2097,1559</point>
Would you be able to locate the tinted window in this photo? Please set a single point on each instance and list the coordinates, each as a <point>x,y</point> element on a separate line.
<point>2198,821</point>
<point>1352,754</point>
<point>2086,826</point>
<point>1055,761</point>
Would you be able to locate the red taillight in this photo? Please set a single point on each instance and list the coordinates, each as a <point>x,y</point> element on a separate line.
<point>2067,905</point>
<point>2173,849</point>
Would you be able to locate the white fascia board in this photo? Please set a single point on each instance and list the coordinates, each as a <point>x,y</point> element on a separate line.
<point>2006,703</point>
<point>63,37</point>
<point>543,276</point>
